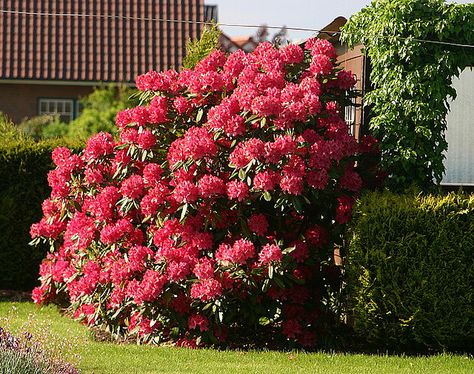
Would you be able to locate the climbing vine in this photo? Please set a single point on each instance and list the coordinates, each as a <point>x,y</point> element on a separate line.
<point>412,80</point>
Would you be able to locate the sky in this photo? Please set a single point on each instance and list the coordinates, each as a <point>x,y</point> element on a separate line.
<point>314,14</point>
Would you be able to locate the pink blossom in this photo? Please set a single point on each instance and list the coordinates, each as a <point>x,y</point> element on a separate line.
<point>148,289</point>
<point>132,187</point>
<point>178,270</point>
<point>182,105</point>
<point>292,54</point>
<point>237,190</point>
<point>345,80</point>
<point>247,151</point>
<point>80,231</point>
<point>317,236</point>
<point>114,232</point>
<point>300,252</point>
<point>206,289</point>
<point>351,181</point>
<point>186,192</point>
<point>344,209</point>
<point>321,65</point>
<point>157,112</point>
<point>198,321</point>
<point>265,180</point>
<point>99,145</point>
<point>211,186</point>
<point>238,253</point>
<point>204,269</point>
<point>146,140</point>
<point>152,174</point>
<point>282,146</point>
<point>187,343</point>
<point>156,81</point>
<point>321,46</point>
<point>137,257</point>
<point>59,183</point>
<point>235,63</point>
<point>270,253</point>
<point>61,156</point>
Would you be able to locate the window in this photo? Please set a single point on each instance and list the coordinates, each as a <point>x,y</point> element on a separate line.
<point>62,107</point>
<point>349,116</point>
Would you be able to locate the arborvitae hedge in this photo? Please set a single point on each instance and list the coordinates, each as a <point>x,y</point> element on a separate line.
<point>24,166</point>
<point>411,271</point>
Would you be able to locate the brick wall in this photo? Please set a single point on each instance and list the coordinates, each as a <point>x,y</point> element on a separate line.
<point>19,101</point>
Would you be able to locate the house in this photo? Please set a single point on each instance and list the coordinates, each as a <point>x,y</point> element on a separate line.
<point>459,161</point>
<point>53,52</point>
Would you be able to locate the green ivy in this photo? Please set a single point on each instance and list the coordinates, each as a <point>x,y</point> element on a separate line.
<point>412,80</point>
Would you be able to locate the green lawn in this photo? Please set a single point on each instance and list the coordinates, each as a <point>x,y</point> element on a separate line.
<point>111,358</point>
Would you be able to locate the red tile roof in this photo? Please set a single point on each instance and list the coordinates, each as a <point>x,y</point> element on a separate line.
<point>112,48</point>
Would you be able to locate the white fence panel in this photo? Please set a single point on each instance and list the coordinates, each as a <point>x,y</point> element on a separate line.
<point>459,162</point>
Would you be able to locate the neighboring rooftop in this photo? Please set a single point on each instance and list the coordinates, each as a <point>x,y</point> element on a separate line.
<point>94,40</point>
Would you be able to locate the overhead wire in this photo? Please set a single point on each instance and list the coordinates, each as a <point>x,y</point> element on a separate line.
<point>131,18</point>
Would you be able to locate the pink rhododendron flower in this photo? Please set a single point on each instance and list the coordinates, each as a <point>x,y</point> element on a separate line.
<point>169,234</point>
<point>197,321</point>
<point>344,209</point>
<point>321,46</point>
<point>270,253</point>
<point>210,185</point>
<point>206,289</point>
<point>98,146</point>
<point>265,180</point>
<point>237,190</point>
<point>238,253</point>
<point>321,65</point>
<point>133,187</point>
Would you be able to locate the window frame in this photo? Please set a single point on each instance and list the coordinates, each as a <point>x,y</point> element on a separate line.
<point>68,116</point>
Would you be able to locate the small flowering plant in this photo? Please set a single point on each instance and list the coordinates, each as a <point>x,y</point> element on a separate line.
<point>214,216</point>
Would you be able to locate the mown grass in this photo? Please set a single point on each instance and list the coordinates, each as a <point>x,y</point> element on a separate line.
<point>99,357</point>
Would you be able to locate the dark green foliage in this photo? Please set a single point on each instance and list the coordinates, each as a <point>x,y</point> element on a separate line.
<point>198,49</point>
<point>24,165</point>
<point>411,271</point>
<point>412,80</point>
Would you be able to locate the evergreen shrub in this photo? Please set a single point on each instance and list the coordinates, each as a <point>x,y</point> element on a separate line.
<point>24,165</point>
<point>411,270</point>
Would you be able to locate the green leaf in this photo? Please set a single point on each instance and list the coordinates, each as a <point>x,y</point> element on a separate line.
<point>183,212</point>
<point>270,271</point>
<point>199,115</point>
<point>267,196</point>
<point>266,285</point>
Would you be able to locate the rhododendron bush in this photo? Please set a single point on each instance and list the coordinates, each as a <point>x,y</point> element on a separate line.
<point>213,217</point>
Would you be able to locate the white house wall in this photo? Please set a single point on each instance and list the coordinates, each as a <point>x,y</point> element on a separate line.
<point>459,162</point>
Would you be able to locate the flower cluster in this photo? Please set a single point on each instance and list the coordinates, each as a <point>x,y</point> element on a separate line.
<point>216,208</point>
